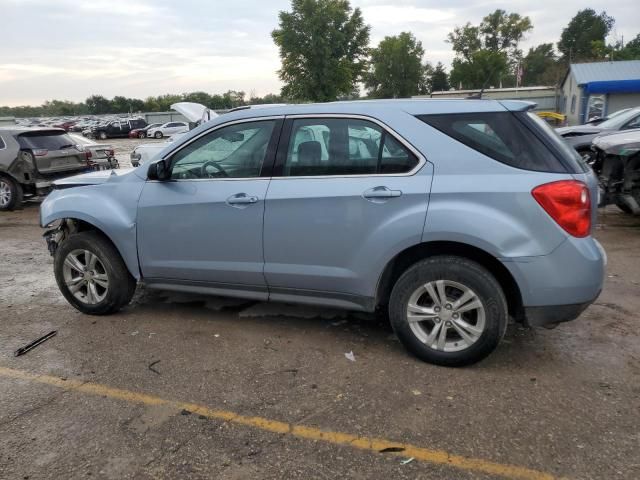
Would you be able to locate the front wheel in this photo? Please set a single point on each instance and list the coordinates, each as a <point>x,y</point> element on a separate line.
<point>158,134</point>
<point>142,135</point>
<point>448,310</point>
<point>91,274</point>
<point>102,135</point>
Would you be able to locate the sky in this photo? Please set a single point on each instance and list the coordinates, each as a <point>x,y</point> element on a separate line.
<point>71,49</point>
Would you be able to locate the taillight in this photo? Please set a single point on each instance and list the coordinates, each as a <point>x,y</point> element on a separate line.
<point>88,154</point>
<point>568,203</point>
<point>40,153</point>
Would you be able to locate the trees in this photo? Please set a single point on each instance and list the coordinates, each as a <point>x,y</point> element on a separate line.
<point>577,40</point>
<point>438,79</point>
<point>541,66</point>
<point>486,53</point>
<point>323,47</point>
<point>396,68</point>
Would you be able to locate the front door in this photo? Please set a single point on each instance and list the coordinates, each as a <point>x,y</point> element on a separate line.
<point>345,193</point>
<point>204,225</point>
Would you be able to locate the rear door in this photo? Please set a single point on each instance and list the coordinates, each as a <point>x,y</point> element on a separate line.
<point>52,151</point>
<point>345,193</point>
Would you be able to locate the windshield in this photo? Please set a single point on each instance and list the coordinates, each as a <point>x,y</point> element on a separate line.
<point>619,120</point>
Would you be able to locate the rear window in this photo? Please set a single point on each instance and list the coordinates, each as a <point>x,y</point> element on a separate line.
<point>499,135</point>
<point>45,140</point>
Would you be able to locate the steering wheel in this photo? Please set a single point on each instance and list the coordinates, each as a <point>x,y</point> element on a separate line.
<point>214,164</point>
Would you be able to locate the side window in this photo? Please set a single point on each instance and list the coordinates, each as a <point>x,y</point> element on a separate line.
<point>331,146</point>
<point>236,151</point>
<point>499,135</point>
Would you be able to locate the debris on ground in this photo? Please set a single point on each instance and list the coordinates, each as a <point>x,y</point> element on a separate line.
<point>408,460</point>
<point>416,392</point>
<point>150,367</point>
<point>34,344</point>
<point>392,450</point>
<point>350,356</point>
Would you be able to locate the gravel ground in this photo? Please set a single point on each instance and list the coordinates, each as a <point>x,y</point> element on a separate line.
<point>564,401</point>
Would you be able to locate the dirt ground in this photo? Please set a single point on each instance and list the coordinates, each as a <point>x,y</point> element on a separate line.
<point>192,387</point>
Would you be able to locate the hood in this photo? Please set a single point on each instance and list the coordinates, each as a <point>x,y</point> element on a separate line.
<point>623,143</point>
<point>92,178</point>
<point>579,130</point>
<point>194,112</point>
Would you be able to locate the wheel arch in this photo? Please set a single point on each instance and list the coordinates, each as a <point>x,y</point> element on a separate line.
<point>403,260</point>
<point>84,224</point>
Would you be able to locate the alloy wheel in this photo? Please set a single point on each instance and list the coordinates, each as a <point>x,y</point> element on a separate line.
<point>446,316</point>
<point>5,193</point>
<point>85,276</point>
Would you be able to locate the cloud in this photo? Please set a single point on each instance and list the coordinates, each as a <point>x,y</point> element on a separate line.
<point>68,49</point>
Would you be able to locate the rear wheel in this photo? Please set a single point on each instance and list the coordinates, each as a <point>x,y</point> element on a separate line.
<point>91,274</point>
<point>10,194</point>
<point>448,311</point>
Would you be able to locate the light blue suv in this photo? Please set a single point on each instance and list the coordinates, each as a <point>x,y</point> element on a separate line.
<point>450,215</point>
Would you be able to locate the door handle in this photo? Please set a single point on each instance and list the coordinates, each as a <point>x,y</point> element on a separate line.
<point>241,199</point>
<point>380,193</point>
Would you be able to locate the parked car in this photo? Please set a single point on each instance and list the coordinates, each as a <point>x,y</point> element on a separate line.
<point>450,215</point>
<point>617,164</point>
<point>169,128</point>
<point>580,137</point>
<point>116,128</point>
<point>142,154</point>
<point>31,158</point>
<point>142,132</point>
<point>99,155</point>
<point>599,120</point>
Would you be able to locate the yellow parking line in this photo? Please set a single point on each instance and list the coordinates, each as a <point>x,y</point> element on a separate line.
<point>439,457</point>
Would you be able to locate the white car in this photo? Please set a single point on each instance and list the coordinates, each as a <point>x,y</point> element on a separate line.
<point>168,129</point>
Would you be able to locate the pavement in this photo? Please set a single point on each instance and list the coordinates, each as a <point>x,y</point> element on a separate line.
<point>179,386</point>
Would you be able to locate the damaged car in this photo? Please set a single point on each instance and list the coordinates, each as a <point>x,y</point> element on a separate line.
<point>617,164</point>
<point>32,158</point>
<point>449,216</point>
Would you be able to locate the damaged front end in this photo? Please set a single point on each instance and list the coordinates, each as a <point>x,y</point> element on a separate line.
<point>58,233</point>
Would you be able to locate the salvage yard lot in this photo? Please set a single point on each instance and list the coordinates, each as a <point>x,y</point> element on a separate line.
<point>192,387</point>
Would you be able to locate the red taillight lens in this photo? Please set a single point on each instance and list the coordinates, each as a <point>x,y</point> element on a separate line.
<point>568,203</point>
<point>88,154</point>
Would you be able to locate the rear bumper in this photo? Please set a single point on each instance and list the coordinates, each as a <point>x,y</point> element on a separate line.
<point>552,314</point>
<point>559,286</point>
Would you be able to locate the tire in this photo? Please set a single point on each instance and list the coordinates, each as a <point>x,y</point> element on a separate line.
<point>102,135</point>
<point>142,135</point>
<point>457,275</point>
<point>158,135</point>
<point>10,194</point>
<point>120,285</point>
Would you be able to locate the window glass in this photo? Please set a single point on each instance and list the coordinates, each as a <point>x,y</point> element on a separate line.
<point>499,135</point>
<point>45,140</point>
<point>573,104</point>
<point>236,151</point>
<point>634,123</point>
<point>331,146</point>
<point>595,107</point>
<point>2,144</point>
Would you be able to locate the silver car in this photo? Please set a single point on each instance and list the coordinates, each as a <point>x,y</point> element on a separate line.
<point>32,158</point>
<point>450,215</point>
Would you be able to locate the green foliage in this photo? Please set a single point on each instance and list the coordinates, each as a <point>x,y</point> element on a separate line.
<point>98,104</point>
<point>487,53</point>
<point>541,66</point>
<point>577,40</point>
<point>323,47</point>
<point>438,79</point>
<point>396,68</point>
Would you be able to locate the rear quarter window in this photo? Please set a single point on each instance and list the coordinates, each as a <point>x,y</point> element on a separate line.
<point>502,136</point>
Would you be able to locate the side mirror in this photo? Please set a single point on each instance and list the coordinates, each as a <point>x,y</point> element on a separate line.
<point>158,171</point>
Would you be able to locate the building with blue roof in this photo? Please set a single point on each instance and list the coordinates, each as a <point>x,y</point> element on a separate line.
<point>596,89</point>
